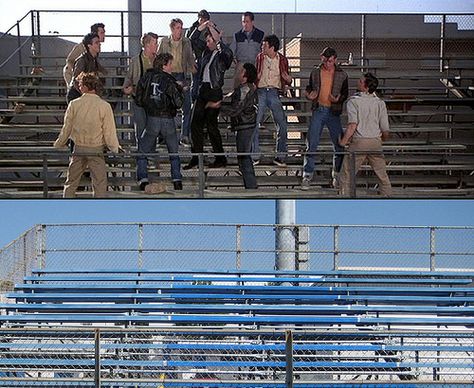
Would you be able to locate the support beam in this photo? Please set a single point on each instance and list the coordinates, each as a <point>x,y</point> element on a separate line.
<point>134,26</point>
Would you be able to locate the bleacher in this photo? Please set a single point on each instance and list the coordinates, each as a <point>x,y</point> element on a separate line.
<point>238,329</point>
<point>429,153</point>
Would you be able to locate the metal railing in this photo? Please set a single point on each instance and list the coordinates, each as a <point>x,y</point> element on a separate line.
<point>247,247</point>
<point>239,357</point>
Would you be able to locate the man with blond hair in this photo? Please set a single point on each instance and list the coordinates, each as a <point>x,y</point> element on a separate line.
<point>138,66</point>
<point>183,68</point>
<point>89,123</point>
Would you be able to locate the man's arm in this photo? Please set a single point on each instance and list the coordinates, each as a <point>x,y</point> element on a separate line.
<point>66,130</point>
<point>383,121</point>
<point>346,138</point>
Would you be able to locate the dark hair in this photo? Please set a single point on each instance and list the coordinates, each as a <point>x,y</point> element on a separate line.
<point>87,40</point>
<point>204,14</point>
<point>249,14</point>
<point>162,60</point>
<point>371,82</point>
<point>272,41</point>
<point>95,27</point>
<point>329,52</point>
<point>250,72</point>
<point>175,21</point>
<point>90,80</point>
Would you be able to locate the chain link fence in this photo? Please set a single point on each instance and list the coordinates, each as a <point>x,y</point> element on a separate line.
<point>204,247</point>
<point>223,357</point>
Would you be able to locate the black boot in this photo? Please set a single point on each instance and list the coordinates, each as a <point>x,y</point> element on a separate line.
<point>192,163</point>
<point>178,185</point>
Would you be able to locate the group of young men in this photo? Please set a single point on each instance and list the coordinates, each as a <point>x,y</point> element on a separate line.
<point>187,73</point>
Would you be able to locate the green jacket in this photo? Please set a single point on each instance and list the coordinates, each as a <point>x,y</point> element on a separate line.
<point>188,58</point>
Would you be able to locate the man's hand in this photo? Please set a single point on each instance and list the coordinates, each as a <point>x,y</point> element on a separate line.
<point>128,90</point>
<point>334,99</point>
<point>286,77</point>
<point>213,105</point>
<point>313,95</point>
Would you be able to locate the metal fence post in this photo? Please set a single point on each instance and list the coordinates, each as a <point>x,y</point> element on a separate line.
<point>201,175</point>
<point>45,176</point>
<point>238,246</point>
<point>20,61</point>
<point>336,247</point>
<point>289,358</point>
<point>25,256</point>
<point>140,246</point>
<point>432,249</point>
<point>42,263</point>
<point>352,175</point>
<point>362,43</point>
<point>97,358</point>
<point>442,43</point>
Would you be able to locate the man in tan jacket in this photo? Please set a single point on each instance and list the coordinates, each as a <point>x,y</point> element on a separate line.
<point>89,123</point>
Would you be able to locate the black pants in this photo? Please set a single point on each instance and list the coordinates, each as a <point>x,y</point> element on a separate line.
<point>244,144</point>
<point>206,117</point>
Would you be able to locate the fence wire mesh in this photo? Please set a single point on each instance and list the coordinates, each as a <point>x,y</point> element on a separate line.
<point>221,357</point>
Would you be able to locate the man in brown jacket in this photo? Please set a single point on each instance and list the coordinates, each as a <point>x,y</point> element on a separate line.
<point>89,122</point>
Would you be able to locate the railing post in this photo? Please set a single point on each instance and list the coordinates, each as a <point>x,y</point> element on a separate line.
<point>432,249</point>
<point>97,358</point>
<point>352,175</point>
<point>201,175</point>
<point>42,263</point>
<point>336,247</point>
<point>283,33</point>
<point>140,246</point>
<point>442,43</point>
<point>20,60</point>
<point>362,43</point>
<point>238,247</point>
<point>45,176</point>
<point>25,256</point>
<point>289,358</point>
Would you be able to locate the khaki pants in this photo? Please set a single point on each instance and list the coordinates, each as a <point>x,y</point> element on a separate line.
<point>79,163</point>
<point>376,160</point>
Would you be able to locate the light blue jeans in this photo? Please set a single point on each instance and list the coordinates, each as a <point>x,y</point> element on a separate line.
<point>268,98</point>
<point>156,126</point>
<point>322,116</point>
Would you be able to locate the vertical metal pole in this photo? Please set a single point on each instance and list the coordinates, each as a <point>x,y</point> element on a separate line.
<point>238,246</point>
<point>289,358</point>
<point>336,248</point>
<point>352,175</point>
<point>302,248</point>
<point>45,176</point>
<point>97,358</point>
<point>18,34</point>
<point>201,175</point>
<point>122,35</point>
<point>362,44</point>
<point>285,235</point>
<point>140,246</point>
<point>283,33</point>
<point>442,44</point>
<point>25,256</point>
<point>432,249</point>
<point>38,41</point>
<point>135,22</point>
<point>42,263</point>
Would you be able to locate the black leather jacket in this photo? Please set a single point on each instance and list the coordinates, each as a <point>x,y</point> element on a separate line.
<point>242,113</point>
<point>159,93</point>
<point>222,61</point>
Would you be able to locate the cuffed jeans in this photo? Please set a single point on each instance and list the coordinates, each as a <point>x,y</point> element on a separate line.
<point>323,116</point>
<point>155,126</point>
<point>268,97</point>
<point>186,117</point>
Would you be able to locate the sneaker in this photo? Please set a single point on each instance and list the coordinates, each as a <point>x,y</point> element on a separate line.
<point>305,183</point>
<point>256,162</point>
<point>279,162</point>
<point>185,141</point>
<point>178,185</point>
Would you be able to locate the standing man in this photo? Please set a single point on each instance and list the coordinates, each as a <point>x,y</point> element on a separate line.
<point>197,34</point>
<point>367,126</point>
<point>78,49</point>
<point>216,59</point>
<point>328,89</point>
<point>139,64</point>
<point>273,77</point>
<point>161,96</point>
<point>86,63</point>
<point>89,122</point>
<point>246,44</point>
<point>183,69</point>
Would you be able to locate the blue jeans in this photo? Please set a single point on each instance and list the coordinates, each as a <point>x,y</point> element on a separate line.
<point>244,143</point>
<point>156,126</point>
<point>186,118</point>
<point>322,116</point>
<point>268,97</point>
<point>139,120</point>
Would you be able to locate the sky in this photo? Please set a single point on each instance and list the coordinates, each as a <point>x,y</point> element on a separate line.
<point>20,215</point>
<point>17,9</point>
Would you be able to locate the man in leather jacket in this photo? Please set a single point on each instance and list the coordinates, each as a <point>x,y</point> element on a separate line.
<point>216,59</point>
<point>161,96</point>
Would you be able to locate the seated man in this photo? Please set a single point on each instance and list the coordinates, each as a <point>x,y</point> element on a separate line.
<point>368,127</point>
